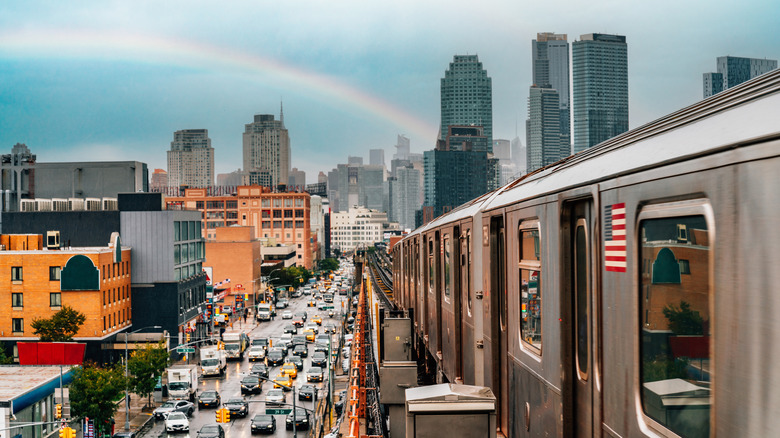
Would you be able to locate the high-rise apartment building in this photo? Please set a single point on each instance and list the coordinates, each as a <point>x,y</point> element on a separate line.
<point>733,71</point>
<point>267,151</point>
<point>405,195</point>
<point>351,185</point>
<point>550,68</point>
<point>546,145</point>
<point>466,96</point>
<point>297,178</point>
<point>402,146</point>
<point>600,88</point>
<point>191,159</point>
<point>376,157</point>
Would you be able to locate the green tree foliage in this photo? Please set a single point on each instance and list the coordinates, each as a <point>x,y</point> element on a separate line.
<point>61,327</point>
<point>94,390</point>
<point>329,264</point>
<point>683,320</point>
<point>663,368</point>
<point>146,366</point>
<point>4,358</point>
<point>291,276</point>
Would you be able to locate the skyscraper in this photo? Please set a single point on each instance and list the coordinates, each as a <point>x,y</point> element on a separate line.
<point>376,157</point>
<point>466,96</point>
<point>191,159</point>
<point>404,195</point>
<point>297,178</point>
<point>267,151</point>
<point>600,88</point>
<point>550,64</point>
<point>402,146</point>
<point>733,71</point>
<point>546,145</point>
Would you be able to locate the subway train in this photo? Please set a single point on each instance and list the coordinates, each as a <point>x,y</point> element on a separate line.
<point>626,291</point>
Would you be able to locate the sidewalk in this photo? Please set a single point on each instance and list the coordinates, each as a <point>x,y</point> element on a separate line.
<point>138,418</point>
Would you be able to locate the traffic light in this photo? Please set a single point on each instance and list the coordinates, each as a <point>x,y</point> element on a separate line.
<point>67,432</point>
<point>58,411</point>
<point>223,415</point>
<point>188,337</point>
<point>246,297</point>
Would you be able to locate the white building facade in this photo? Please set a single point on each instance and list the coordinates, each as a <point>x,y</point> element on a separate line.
<point>357,227</point>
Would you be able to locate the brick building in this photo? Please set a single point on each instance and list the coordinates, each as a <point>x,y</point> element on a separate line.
<point>35,282</point>
<point>285,217</point>
<point>235,254</point>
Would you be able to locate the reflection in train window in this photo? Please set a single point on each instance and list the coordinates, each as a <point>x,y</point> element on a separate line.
<point>530,268</point>
<point>466,272</point>
<point>675,330</point>
<point>447,256</point>
<point>431,272</point>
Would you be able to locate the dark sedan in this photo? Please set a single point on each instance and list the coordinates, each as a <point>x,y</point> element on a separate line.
<point>263,424</point>
<point>211,431</point>
<point>275,358</point>
<point>259,369</point>
<point>301,350</point>
<point>301,420</point>
<point>251,385</point>
<point>237,407</point>
<point>209,399</point>
<point>297,361</point>
<point>307,392</point>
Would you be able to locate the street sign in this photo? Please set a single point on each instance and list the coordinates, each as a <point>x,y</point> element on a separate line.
<point>277,411</point>
<point>185,349</point>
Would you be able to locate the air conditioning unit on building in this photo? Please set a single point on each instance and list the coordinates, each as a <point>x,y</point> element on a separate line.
<point>53,239</point>
<point>43,204</point>
<point>29,205</point>
<point>93,204</point>
<point>110,204</point>
<point>59,204</point>
<point>75,204</point>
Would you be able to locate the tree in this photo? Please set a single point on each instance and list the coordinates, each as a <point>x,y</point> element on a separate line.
<point>61,327</point>
<point>683,320</point>
<point>329,264</point>
<point>94,392</point>
<point>4,359</point>
<point>146,366</point>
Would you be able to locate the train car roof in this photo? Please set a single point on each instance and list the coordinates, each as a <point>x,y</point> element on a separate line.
<point>743,113</point>
<point>465,210</point>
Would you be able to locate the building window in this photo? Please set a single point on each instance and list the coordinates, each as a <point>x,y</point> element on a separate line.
<point>277,214</point>
<point>17,300</point>
<point>266,202</point>
<point>54,273</point>
<point>55,299</point>
<point>288,213</point>
<point>298,213</point>
<point>17,325</point>
<point>277,203</point>
<point>288,224</point>
<point>199,205</point>
<point>16,273</point>
<point>299,202</point>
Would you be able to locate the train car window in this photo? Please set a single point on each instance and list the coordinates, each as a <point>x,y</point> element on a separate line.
<point>431,268</point>
<point>675,295</point>
<point>530,270</point>
<point>466,263</point>
<point>447,265</point>
<point>582,296</point>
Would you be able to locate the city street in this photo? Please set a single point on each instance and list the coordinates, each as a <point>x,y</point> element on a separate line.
<point>229,386</point>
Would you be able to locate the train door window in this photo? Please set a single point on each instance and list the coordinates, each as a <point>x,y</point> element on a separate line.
<point>530,271</point>
<point>582,298</point>
<point>465,254</point>
<point>447,265</point>
<point>676,325</point>
<point>431,268</point>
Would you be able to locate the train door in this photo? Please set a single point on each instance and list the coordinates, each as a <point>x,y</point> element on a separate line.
<point>578,229</point>
<point>498,319</point>
<point>467,326</point>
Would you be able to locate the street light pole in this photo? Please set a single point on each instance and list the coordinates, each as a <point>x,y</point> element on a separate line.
<point>127,400</point>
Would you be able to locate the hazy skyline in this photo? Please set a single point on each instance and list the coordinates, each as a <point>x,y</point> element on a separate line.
<point>89,81</point>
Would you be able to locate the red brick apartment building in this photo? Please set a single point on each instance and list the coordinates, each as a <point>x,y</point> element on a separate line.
<point>285,217</point>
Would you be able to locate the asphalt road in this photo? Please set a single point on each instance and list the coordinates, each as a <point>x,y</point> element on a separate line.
<point>229,385</point>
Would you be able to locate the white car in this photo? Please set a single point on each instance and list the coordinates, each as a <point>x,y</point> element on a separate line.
<point>287,314</point>
<point>275,397</point>
<point>177,422</point>
<point>256,352</point>
<point>286,338</point>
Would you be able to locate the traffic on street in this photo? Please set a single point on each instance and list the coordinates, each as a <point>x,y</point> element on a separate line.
<point>260,369</point>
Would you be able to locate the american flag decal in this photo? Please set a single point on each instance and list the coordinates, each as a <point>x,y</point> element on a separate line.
<point>615,237</point>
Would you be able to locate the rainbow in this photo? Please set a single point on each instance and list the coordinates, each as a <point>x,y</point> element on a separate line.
<point>70,44</point>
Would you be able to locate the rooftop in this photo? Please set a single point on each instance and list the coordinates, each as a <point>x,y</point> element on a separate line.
<point>17,380</point>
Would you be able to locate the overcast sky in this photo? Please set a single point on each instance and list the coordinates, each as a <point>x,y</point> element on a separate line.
<point>112,80</point>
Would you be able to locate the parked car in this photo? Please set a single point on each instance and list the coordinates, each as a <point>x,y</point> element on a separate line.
<point>301,418</point>
<point>259,369</point>
<point>307,392</point>
<point>275,397</point>
<point>263,424</point>
<point>211,431</point>
<point>251,385</point>
<point>177,422</point>
<point>209,399</point>
<point>319,359</point>
<point>256,352</point>
<point>238,407</point>
<point>183,406</point>
<point>282,303</point>
<point>314,374</point>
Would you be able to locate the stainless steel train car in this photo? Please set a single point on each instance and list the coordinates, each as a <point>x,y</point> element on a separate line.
<point>626,291</point>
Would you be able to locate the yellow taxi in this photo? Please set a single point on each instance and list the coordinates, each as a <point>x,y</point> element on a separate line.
<point>317,319</point>
<point>312,303</point>
<point>309,335</point>
<point>283,380</point>
<point>290,369</point>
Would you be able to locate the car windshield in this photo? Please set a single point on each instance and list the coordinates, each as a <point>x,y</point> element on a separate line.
<point>251,380</point>
<point>176,416</point>
<point>168,405</point>
<point>178,385</point>
<point>275,393</point>
<point>315,370</point>
<point>263,418</point>
<point>209,394</point>
<point>318,355</point>
<point>210,429</point>
<point>275,355</point>
<point>231,346</point>
<point>235,401</point>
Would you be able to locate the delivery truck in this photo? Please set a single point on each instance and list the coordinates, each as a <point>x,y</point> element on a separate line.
<point>183,382</point>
